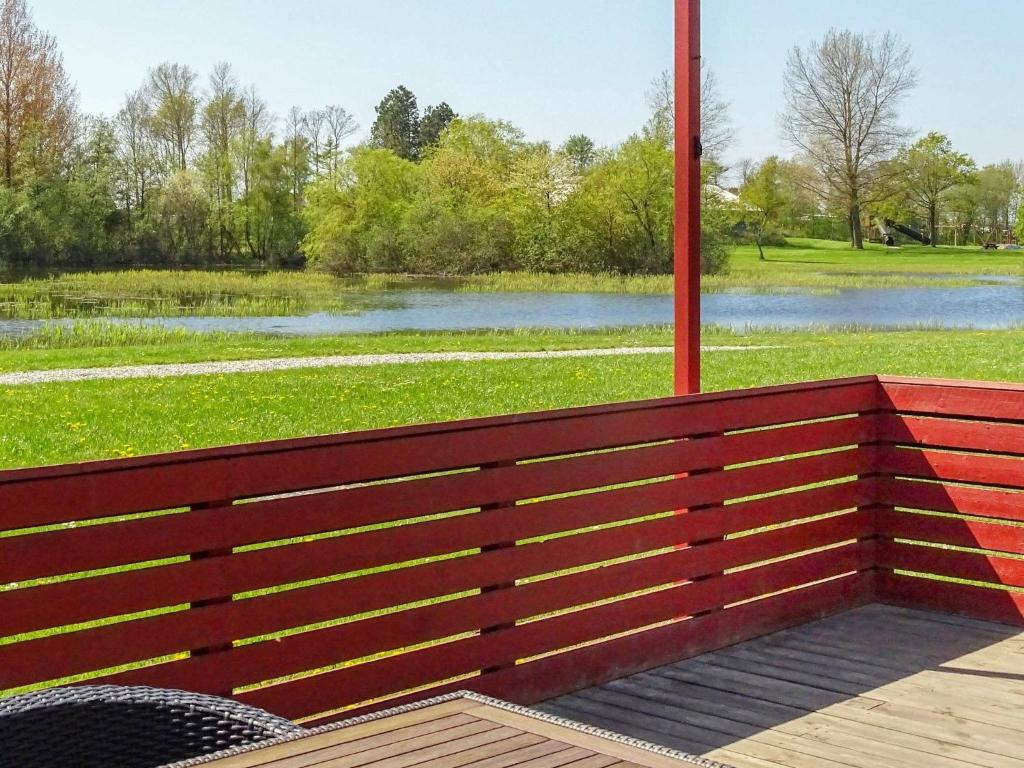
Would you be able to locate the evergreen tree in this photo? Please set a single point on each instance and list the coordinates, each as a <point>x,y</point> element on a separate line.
<point>435,120</point>
<point>397,126</point>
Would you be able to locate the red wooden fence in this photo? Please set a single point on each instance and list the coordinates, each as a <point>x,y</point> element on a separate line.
<point>953,454</point>
<point>520,556</point>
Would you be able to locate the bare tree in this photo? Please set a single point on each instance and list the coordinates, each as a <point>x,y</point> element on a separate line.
<point>298,148</point>
<point>315,124</point>
<point>745,169</point>
<point>137,152</point>
<point>222,120</point>
<point>175,106</point>
<point>716,132</point>
<point>340,125</point>
<point>258,124</point>
<point>37,101</point>
<point>842,99</point>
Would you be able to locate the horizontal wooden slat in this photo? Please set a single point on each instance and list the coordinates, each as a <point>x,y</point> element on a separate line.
<point>540,680</point>
<point>994,401</point>
<point>82,652</point>
<point>41,497</point>
<point>1004,471</point>
<point>943,497</point>
<point>960,432</point>
<point>544,678</point>
<point>221,623</point>
<point>127,592</point>
<point>95,547</point>
<point>952,531</point>
<point>948,433</point>
<point>311,695</point>
<point>963,599</point>
<point>972,566</point>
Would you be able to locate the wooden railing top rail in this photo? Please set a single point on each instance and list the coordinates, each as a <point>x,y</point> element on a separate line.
<point>1004,386</point>
<point>125,486</point>
<point>440,428</point>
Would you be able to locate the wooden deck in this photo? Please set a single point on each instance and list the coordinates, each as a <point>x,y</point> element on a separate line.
<point>875,686</point>
<point>461,732</point>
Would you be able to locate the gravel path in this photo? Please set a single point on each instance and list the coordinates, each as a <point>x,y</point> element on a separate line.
<point>335,361</point>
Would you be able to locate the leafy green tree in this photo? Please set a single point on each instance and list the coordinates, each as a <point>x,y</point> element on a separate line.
<point>716,220</point>
<point>180,219</point>
<point>474,158</point>
<point>581,152</point>
<point>435,119</point>
<point>97,226</point>
<point>355,222</point>
<point>397,126</point>
<point>963,209</point>
<point>997,189</point>
<point>766,194</point>
<point>16,245</point>
<point>541,181</point>
<point>272,228</point>
<point>461,221</point>
<point>1018,228</point>
<point>925,171</point>
<point>627,201</point>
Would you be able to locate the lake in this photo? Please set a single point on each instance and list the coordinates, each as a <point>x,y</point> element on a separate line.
<point>989,306</point>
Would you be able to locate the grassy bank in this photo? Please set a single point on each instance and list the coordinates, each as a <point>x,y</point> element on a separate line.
<point>54,423</point>
<point>817,266</point>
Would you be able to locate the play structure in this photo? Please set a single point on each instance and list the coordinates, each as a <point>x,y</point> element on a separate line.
<point>887,229</point>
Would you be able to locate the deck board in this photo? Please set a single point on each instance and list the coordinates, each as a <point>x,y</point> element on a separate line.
<point>467,732</point>
<point>875,686</point>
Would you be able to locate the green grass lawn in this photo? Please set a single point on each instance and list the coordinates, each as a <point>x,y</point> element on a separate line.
<point>819,266</point>
<point>806,254</point>
<point>54,423</point>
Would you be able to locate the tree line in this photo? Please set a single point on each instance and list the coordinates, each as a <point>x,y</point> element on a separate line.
<point>186,172</point>
<point>200,172</point>
<point>195,171</point>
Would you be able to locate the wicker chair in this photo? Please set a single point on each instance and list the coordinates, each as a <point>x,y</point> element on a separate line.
<point>117,727</point>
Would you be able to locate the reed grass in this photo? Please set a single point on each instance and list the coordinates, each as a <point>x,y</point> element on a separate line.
<point>169,293</point>
<point>95,334</point>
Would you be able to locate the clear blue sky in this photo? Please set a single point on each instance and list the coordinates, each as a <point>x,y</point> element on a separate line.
<point>553,67</point>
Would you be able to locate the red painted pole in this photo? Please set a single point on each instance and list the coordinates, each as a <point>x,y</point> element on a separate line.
<point>687,197</point>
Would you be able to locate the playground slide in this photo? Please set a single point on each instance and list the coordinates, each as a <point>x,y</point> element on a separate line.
<point>910,232</point>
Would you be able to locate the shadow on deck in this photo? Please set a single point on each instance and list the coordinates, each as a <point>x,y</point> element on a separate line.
<point>874,686</point>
